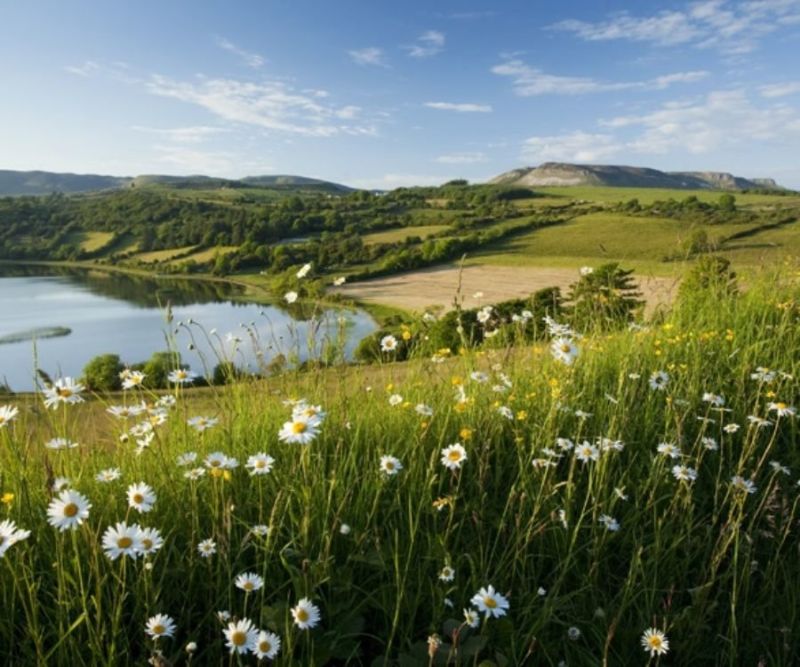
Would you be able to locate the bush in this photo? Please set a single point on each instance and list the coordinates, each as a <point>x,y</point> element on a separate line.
<point>102,373</point>
<point>158,367</point>
<point>711,273</point>
<point>605,299</point>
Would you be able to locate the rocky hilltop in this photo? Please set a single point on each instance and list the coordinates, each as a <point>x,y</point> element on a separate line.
<point>566,174</point>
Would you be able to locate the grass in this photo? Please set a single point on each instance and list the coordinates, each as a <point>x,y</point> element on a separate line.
<point>162,255</point>
<point>202,256</point>
<point>94,241</point>
<point>712,565</point>
<point>650,195</point>
<point>401,234</point>
<point>640,242</point>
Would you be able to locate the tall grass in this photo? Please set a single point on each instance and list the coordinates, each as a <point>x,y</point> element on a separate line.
<point>713,566</point>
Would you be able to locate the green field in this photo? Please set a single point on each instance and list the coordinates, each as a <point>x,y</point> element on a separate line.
<point>650,195</point>
<point>161,255</point>
<point>401,234</point>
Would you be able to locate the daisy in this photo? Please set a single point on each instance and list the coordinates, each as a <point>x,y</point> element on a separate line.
<point>390,465</point>
<point>249,582</point>
<point>684,473</point>
<point>573,633</point>
<point>490,602</point>
<point>586,452</point>
<point>122,540</point>
<point>159,626</point>
<point>564,350</point>
<point>388,343</point>
<point>713,399</point>
<point>306,614</point>
<point>395,399</point>
<point>424,410</point>
<point>241,636</point>
<point>182,376</point>
<point>731,428</point>
<point>194,474</point>
<point>659,381</point>
<point>290,297</point>
<point>133,379</point>
<point>187,459</point>
<point>479,377</point>
<point>506,412</point>
<point>312,413</point>
<point>168,400</point>
<point>68,510</point>
<point>267,645</point>
<point>709,443</point>
<point>303,272</point>
<point>778,467</point>
<point>201,424</point>
<point>564,444</point>
<point>7,414</point>
<point>151,541</point>
<point>299,431</point>
<point>741,484</point>
<point>141,497</point>
<point>207,548</point>
<point>454,456</point>
<point>64,390</point>
<point>10,535</point>
<point>758,422</point>
<point>341,280</point>
<point>655,642</point>
<point>669,450</point>
<point>447,573</point>
<point>782,410</point>
<point>260,464</point>
<point>60,443</point>
<point>260,530</point>
<point>60,483</point>
<point>471,618</point>
<point>763,375</point>
<point>609,522</point>
<point>108,475</point>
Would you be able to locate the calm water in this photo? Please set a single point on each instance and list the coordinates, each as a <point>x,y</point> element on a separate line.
<point>113,313</point>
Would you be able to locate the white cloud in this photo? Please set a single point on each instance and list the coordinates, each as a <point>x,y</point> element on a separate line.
<point>572,147</point>
<point>369,56</point>
<point>529,81</point>
<point>462,158</point>
<point>731,27</point>
<point>780,89</point>
<point>461,107</point>
<point>428,44</point>
<point>183,135</point>
<point>191,161</point>
<point>391,181</point>
<point>250,59</point>
<point>89,67</point>
<point>272,105</point>
<point>721,119</point>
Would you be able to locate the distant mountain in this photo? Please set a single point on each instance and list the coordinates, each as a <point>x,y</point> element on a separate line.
<point>46,182</point>
<point>562,173</point>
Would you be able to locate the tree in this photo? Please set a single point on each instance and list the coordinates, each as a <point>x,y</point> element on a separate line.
<point>727,202</point>
<point>102,373</point>
<point>604,298</point>
<point>158,367</point>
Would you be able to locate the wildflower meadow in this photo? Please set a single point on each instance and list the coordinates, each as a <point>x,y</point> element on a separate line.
<point>605,496</point>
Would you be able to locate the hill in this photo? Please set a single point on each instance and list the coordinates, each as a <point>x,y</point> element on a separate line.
<point>14,183</point>
<point>565,174</point>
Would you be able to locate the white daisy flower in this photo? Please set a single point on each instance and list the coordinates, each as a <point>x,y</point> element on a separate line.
<point>669,450</point>
<point>207,548</point>
<point>122,540</point>
<point>108,475</point>
<point>424,410</point>
<point>249,582</point>
<point>7,414</point>
<point>201,424</point>
<point>586,452</point>
<point>133,379</point>
<point>241,636</point>
<point>267,645</point>
<point>306,614</point>
<point>782,409</point>
<point>187,459</point>
<point>655,642</point>
<point>63,390</point>
<point>182,376</point>
<point>609,522</point>
<point>259,464</point>
<point>684,473</point>
<point>395,400</point>
<point>447,573</point>
<point>388,343</point>
<point>741,484</point>
<point>68,510</point>
<point>60,443</point>
<point>290,297</point>
<point>10,534</point>
<point>159,626</point>
<point>564,350</point>
<point>141,497</point>
<point>390,465</point>
<point>489,602</point>
<point>472,618</point>
<point>454,456</point>
<point>151,541</point>
<point>659,381</point>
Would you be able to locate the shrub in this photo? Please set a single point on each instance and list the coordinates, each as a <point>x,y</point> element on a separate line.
<point>604,299</point>
<point>102,373</point>
<point>158,367</point>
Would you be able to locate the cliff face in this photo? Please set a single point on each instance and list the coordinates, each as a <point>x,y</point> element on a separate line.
<point>566,174</point>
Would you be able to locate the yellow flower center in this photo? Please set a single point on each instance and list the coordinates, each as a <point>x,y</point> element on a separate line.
<point>158,629</point>
<point>239,638</point>
<point>265,646</point>
<point>2,420</point>
<point>64,392</point>
<point>489,602</point>
<point>565,348</point>
<point>248,586</point>
<point>655,641</point>
<point>147,543</point>
<point>302,615</point>
<point>261,464</point>
<point>780,406</point>
<point>454,455</point>
<point>138,498</point>
<point>389,465</point>
<point>70,510</point>
<point>124,542</point>
<point>298,427</point>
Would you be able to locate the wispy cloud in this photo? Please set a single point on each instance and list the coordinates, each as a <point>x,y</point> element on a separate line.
<point>731,27</point>
<point>571,147</point>
<point>249,58</point>
<point>461,158</point>
<point>780,89</point>
<point>461,107</point>
<point>397,180</point>
<point>371,55</point>
<point>272,105</point>
<point>427,44</point>
<point>183,135</point>
<point>89,67</point>
<point>529,81</point>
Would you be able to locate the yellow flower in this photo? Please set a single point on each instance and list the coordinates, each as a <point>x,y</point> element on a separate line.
<point>7,498</point>
<point>522,415</point>
<point>457,380</point>
<point>465,433</point>
<point>406,335</point>
<point>389,386</point>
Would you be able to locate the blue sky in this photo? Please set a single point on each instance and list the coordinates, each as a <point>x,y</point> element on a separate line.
<point>382,94</point>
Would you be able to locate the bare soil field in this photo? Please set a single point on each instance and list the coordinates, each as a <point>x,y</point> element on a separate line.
<point>482,284</point>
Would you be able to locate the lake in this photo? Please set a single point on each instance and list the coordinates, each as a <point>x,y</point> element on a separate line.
<point>93,312</point>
